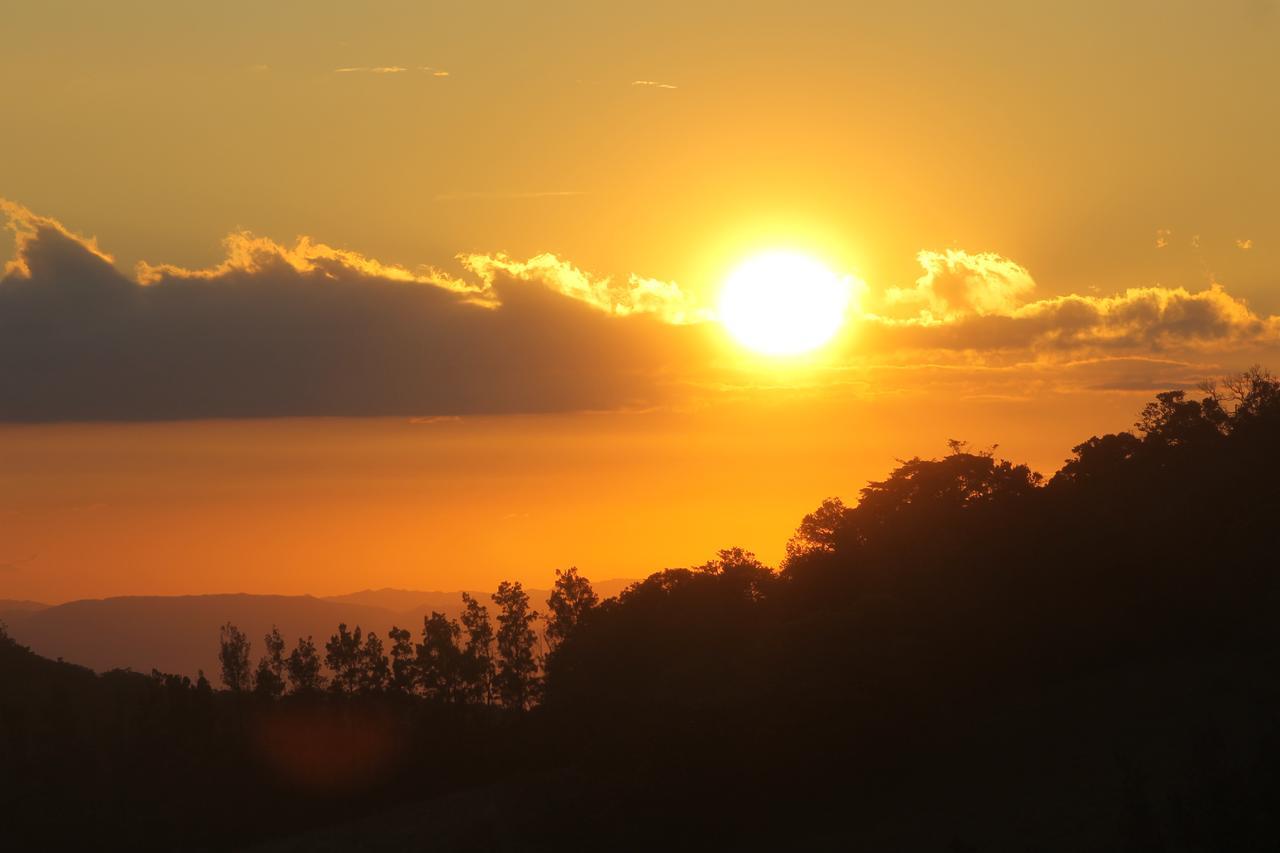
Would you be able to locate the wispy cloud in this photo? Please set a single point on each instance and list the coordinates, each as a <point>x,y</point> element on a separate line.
<point>653,84</point>
<point>1244,244</point>
<point>374,69</point>
<point>434,72</point>
<point>501,194</point>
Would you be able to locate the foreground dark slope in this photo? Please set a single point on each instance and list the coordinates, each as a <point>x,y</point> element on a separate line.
<point>968,659</point>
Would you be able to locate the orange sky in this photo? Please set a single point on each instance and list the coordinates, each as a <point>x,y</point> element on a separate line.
<point>308,297</point>
<point>327,506</point>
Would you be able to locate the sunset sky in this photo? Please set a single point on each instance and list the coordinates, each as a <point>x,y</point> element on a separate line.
<point>313,297</point>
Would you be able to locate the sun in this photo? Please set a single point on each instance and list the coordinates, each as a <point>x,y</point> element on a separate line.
<point>783,303</point>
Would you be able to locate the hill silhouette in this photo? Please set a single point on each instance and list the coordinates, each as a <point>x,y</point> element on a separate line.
<point>969,657</point>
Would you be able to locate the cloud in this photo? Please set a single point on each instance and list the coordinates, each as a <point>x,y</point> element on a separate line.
<point>956,284</point>
<point>434,72</point>
<point>1162,238</point>
<point>376,69</point>
<point>314,330</point>
<point>652,84</point>
<point>1244,245</point>
<point>506,196</point>
<point>982,303</point>
<point>664,299</point>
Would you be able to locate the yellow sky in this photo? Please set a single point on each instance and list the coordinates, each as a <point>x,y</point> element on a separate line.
<point>1061,137</point>
<point>1049,213</point>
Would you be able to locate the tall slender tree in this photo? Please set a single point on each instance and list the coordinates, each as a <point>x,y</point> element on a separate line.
<point>374,669</point>
<point>440,659</point>
<point>269,678</point>
<point>404,675</point>
<point>477,659</point>
<point>517,664</point>
<point>343,655</point>
<point>572,598</point>
<point>233,655</point>
<point>303,667</point>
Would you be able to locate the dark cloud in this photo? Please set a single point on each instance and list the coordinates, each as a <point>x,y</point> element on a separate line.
<point>310,331</point>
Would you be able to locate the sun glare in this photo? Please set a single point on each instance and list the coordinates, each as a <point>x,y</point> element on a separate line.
<point>783,303</point>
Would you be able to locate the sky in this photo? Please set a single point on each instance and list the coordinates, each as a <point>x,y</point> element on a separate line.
<point>313,297</point>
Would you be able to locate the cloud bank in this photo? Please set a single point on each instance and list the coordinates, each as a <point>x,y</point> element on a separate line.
<point>314,330</point>
<point>981,304</point>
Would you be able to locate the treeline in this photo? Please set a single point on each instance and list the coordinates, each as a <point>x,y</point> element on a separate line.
<point>969,657</point>
<point>449,662</point>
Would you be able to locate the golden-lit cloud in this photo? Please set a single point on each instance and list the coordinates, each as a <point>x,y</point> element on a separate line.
<point>663,299</point>
<point>312,329</point>
<point>981,303</point>
<point>652,84</point>
<point>27,226</point>
<point>376,69</point>
<point>1244,244</point>
<point>956,284</point>
<point>249,255</point>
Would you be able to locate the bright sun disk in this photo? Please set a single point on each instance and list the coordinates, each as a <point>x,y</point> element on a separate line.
<point>783,303</point>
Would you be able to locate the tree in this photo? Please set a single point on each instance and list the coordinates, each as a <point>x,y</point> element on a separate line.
<point>404,675</point>
<point>818,531</point>
<point>517,666</point>
<point>374,670</point>
<point>344,657</point>
<point>203,688</point>
<point>269,679</point>
<point>440,659</point>
<point>741,571</point>
<point>1174,421</point>
<point>303,667</point>
<point>572,598</point>
<point>477,658</point>
<point>233,655</point>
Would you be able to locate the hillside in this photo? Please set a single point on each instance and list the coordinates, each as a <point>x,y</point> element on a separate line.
<point>968,657</point>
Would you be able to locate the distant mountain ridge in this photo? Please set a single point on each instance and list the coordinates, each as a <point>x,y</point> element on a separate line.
<point>179,633</point>
<point>7,604</point>
<point>403,600</point>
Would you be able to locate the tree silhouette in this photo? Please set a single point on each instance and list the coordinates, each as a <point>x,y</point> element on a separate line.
<point>233,656</point>
<point>268,680</point>
<point>439,660</point>
<point>818,530</point>
<point>571,599</point>
<point>203,687</point>
<point>374,668</point>
<point>344,655</point>
<point>477,662</point>
<point>517,666</point>
<point>404,675</point>
<point>303,667</point>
